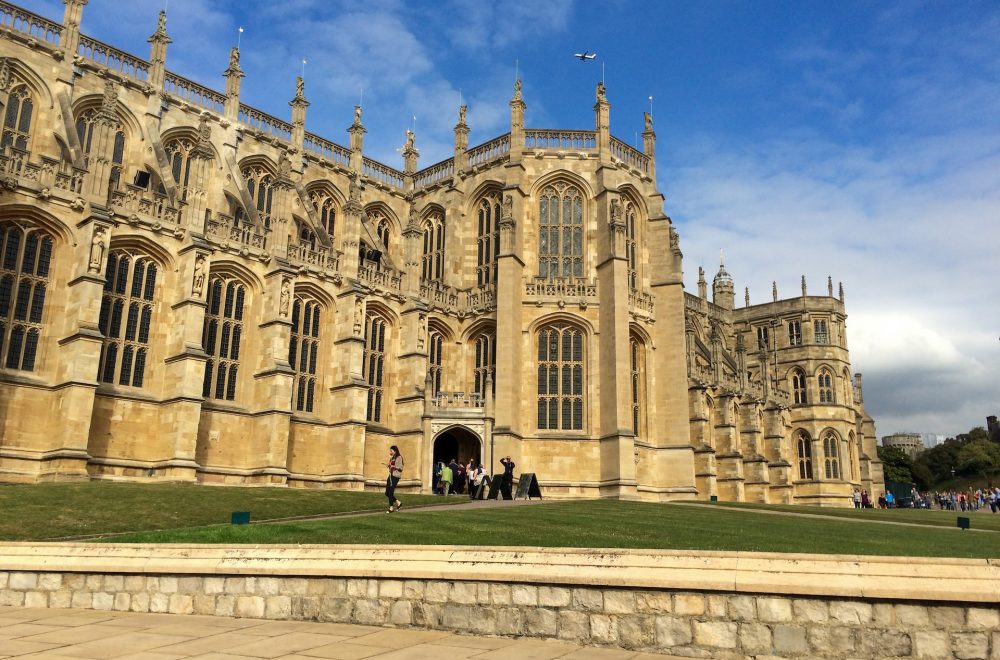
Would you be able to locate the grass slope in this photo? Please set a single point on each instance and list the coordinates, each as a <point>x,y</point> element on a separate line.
<point>51,511</point>
<point>610,524</point>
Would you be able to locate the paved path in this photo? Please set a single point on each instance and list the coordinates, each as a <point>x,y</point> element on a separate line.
<point>773,512</point>
<point>56,634</point>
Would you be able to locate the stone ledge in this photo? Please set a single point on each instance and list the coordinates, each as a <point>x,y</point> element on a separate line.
<point>850,576</point>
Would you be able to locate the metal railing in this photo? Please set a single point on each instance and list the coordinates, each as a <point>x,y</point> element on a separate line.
<point>110,57</point>
<point>194,93</point>
<point>553,139</point>
<point>20,20</point>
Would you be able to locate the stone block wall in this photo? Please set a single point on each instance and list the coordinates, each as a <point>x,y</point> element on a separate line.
<point>690,623</point>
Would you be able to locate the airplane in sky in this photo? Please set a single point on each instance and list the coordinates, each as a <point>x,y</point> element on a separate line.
<point>585,55</point>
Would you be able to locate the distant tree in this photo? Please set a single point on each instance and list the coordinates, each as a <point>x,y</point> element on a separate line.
<point>941,461</point>
<point>977,433</point>
<point>895,465</point>
<point>980,456</point>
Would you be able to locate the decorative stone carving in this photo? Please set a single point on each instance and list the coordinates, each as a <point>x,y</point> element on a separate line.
<point>5,75</point>
<point>359,315</point>
<point>616,211</point>
<point>109,102</point>
<point>357,115</point>
<point>285,299</point>
<point>97,247</point>
<point>601,92</point>
<point>421,331</point>
<point>198,283</point>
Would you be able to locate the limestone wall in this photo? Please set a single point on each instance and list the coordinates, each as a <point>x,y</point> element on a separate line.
<point>719,605</point>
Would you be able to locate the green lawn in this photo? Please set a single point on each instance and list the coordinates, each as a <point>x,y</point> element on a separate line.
<point>609,524</point>
<point>982,519</point>
<point>52,511</point>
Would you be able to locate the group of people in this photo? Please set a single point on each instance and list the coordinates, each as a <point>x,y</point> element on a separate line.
<point>863,501</point>
<point>452,477</point>
<point>970,500</point>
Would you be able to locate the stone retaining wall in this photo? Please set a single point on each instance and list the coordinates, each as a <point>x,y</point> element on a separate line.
<point>684,622</point>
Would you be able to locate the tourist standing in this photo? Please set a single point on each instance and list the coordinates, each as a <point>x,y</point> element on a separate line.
<point>446,478</point>
<point>508,478</point>
<point>890,500</point>
<point>395,466</point>
<point>476,474</point>
<point>857,498</point>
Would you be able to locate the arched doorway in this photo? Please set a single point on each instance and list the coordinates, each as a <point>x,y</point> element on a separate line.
<point>456,442</point>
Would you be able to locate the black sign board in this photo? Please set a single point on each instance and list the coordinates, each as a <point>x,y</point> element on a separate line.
<point>495,485</point>
<point>479,492</point>
<point>527,487</point>
<point>963,523</point>
<point>240,518</point>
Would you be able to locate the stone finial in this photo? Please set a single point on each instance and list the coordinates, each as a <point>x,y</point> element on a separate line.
<point>746,296</point>
<point>774,291</point>
<point>840,285</point>
<point>829,286</point>
<point>517,90</point>
<point>803,286</point>
<point>161,28</point>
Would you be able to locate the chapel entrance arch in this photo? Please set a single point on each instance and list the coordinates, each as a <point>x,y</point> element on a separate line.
<point>456,442</point>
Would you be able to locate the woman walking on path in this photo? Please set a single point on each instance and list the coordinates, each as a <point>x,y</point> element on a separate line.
<point>395,466</point>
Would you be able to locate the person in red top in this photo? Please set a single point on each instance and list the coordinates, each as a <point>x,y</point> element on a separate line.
<point>395,466</point>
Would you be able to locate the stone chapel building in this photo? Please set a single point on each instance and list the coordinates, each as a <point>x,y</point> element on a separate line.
<point>193,290</point>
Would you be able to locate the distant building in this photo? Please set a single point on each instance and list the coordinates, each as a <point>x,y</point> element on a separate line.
<point>993,428</point>
<point>911,443</point>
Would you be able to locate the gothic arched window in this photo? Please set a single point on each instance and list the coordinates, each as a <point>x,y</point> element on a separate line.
<point>433,254</point>
<point>435,359</point>
<point>17,119</point>
<point>560,232</point>
<point>86,125</point>
<point>825,382</point>
<point>222,336</point>
<point>804,446</point>
<point>126,318</point>
<point>25,256</point>
<point>631,249</point>
<point>799,386</point>
<point>637,356</point>
<point>326,209</point>
<point>374,365</point>
<point>831,455</point>
<point>260,185</point>
<point>303,351</point>
<point>488,240</point>
<point>560,378</point>
<point>383,228</point>
<point>180,153</point>
<point>485,360</point>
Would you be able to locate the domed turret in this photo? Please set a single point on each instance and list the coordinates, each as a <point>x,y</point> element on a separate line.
<point>722,287</point>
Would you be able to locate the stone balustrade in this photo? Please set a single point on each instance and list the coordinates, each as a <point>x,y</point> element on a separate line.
<point>563,288</point>
<point>380,276</point>
<point>461,400</point>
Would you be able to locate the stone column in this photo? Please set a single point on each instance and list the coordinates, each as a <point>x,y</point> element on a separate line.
<point>233,74</point>
<point>158,53</point>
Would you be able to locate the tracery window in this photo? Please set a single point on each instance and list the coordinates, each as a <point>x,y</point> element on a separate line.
<point>560,232</point>
<point>126,318</point>
<point>25,256</point>
<point>631,251</point>
<point>831,455</point>
<point>825,382</point>
<point>436,341</point>
<point>799,386</point>
<point>374,365</point>
<point>307,237</point>
<point>560,378</point>
<point>85,128</point>
<point>222,336</point>
<point>433,254</point>
<point>637,364</point>
<point>303,350</point>
<point>17,119</point>
<point>488,240</point>
<point>794,333</point>
<point>486,357</point>
<point>820,331</point>
<point>804,444</point>
<point>260,185</point>
<point>180,153</point>
<point>383,228</point>
<point>326,209</point>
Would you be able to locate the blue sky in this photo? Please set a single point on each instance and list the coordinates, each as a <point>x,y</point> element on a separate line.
<point>854,139</point>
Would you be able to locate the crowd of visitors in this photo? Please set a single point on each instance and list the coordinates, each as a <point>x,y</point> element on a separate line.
<point>979,499</point>
<point>465,479</point>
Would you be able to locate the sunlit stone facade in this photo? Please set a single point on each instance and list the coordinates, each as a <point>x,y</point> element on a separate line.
<point>193,290</point>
